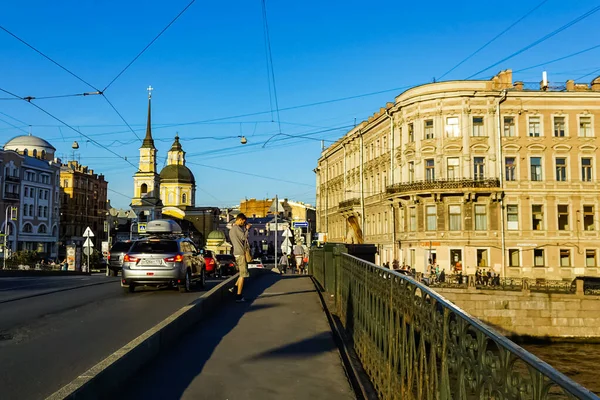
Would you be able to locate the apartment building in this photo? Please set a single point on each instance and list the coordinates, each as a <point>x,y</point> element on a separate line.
<point>490,174</point>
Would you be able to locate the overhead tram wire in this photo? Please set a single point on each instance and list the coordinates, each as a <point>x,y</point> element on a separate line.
<point>270,59</point>
<point>590,74</point>
<point>148,45</point>
<point>493,39</point>
<point>558,59</point>
<point>14,126</point>
<point>70,127</point>
<point>540,40</point>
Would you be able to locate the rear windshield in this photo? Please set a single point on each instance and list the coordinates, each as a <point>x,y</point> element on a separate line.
<point>225,257</point>
<point>154,246</point>
<point>121,246</point>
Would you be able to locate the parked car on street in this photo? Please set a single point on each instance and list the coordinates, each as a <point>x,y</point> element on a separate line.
<point>256,263</point>
<point>227,264</point>
<point>115,257</point>
<point>212,265</point>
<point>165,257</point>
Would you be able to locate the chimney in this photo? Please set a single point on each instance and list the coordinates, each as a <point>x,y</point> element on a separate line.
<point>570,85</point>
<point>596,84</point>
<point>544,82</point>
<point>519,85</point>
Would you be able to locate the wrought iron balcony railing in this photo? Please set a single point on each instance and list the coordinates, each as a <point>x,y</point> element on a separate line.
<point>12,178</point>
<point>443,184</point>
<point>349,203</point>
<point>11,195</point>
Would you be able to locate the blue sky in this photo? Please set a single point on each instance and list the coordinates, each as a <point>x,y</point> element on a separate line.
<point>211,65</point>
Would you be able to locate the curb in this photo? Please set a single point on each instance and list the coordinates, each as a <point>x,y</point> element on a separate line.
<point>56,291</point>
<point>104,378</point>
<point>359,380</point>
<point>15,273</point>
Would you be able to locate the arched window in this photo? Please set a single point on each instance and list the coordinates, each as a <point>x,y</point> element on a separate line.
<point>25,152</point>
<point>27,228</point>
<point>184,198</point>
<point>42,229</point>
<point>34,152</point>
<point>43,153</point>
<point>144,188</point>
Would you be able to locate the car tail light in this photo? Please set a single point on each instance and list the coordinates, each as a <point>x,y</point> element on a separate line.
<point>231,264</point>
<point>128,258</point>
<point>175,258</point>
<point>108,257</point>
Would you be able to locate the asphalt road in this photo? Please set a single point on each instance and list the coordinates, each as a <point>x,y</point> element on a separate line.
<point>48,339</point>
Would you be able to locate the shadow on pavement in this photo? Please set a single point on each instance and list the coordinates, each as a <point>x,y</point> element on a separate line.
<point>171,373</point>
<point>262,296</point>
<point>317,344</point>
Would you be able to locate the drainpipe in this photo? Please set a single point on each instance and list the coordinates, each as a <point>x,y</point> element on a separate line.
<point>362,178</point>
<point>501,180</point>
<point>391,147</point>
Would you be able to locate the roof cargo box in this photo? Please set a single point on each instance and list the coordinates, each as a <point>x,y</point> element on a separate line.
<point>163,226</point>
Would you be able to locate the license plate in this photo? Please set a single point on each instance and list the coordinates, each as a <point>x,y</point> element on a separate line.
<point>152,261</point>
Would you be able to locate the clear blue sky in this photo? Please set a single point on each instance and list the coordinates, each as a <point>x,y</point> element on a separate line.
<point>211,64</point>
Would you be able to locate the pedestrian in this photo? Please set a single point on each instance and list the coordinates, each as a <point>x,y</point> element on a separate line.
<point>283,262</point>
<point>299,255</point>
<point>241,250</point>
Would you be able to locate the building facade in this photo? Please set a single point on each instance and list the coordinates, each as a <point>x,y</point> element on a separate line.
<point>84,204</point>
<point>30,183</point>
<point>490,174</point>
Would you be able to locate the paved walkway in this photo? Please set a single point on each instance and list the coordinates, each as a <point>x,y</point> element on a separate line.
<point>278,345</point>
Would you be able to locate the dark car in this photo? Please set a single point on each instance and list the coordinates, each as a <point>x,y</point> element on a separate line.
<point>227,264</point>
<point>212,266</point>
<point>115,257</point>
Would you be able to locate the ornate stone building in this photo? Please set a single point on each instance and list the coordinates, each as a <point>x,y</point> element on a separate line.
<point>490,174</point>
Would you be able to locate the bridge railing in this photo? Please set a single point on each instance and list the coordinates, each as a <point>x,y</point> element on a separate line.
<point>414,344</point>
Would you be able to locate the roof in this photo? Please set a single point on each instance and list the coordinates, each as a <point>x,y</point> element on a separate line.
<point>28,142</point>
<point>177,173</point>
<point>216,235</point>
<point>148,142</point>
<point>176,146</point>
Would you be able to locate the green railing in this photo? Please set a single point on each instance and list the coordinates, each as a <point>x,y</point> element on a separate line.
<point>414,344</point>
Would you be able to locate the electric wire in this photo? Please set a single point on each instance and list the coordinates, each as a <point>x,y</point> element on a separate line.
<point>148,45</point>
<point>593,73</point>
<point>120,116</point>
<point>270,59</point>
<point>558,59</point>
<point>70,127</point>
<point>493,39</point>
<point>540,40</point>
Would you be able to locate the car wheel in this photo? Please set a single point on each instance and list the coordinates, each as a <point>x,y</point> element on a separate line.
<point>112,272</point>
<point>130,288</point>
<point>186,287</point>
<point>202,281</point>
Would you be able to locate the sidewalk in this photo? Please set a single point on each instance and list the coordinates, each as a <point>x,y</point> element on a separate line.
<point>278,345</point>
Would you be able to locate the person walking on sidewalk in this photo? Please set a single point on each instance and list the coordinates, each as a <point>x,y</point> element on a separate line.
<point>239,240</point>
<point>283,262</point>
<point>299,254</point>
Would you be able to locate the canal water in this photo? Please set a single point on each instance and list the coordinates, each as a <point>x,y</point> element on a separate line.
<point>578,361</point>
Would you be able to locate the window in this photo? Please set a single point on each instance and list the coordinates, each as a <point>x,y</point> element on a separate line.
<point>482,257</point>
<point>45,212</point>
<point>411,132</point>
<point>509,126</point>
<point>30,210</point>
<point>509,168</point>
<point>144,188</point>
<point>27,228</point>
<point>411,172</point>
<point>586,169</point>
<point>559,126</point>
<point>40,211</point>
<point>453,171</point>
<point>412,219</point>
<point>429,170</point>
<point>563,217</point>
<point>480,217</point>
<point>590,258</point>
<point>565,257</point>
<point>429,129</point>
<point>184,198</point>
<point>41,193</point>
<point>42,229</point>
<point>431,218</point>
<point>514,258</point>
<point>534,127</point>
<point>537,217</point>
<point>455,217</point>
<point>46,194</point>
<point>478,168</point>
<point>588,218</point>
<point>26,192</point>
<point>538,257</point>
<point>561,169</point>
<point>512,217</point>
<point>452,127</point>
<point>478,126</point>
<point>536,168</point>
<point>585,127</point>
<point>25,209</point>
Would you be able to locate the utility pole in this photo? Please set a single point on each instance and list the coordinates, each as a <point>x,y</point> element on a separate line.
<point>276,230</point>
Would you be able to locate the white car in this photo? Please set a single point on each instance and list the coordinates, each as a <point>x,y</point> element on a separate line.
<point>256,263</point>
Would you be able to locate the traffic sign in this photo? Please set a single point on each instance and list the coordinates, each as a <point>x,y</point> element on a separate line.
<point>300,224</point>
<point>87,251</point>
<point>88,233</point>
<point>88,243</point>
<point>141,227</point>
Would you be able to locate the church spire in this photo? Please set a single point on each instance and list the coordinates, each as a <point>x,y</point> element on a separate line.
<point>148,141</point>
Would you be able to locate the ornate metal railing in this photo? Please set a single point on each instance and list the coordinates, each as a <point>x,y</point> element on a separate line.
<point>414,344</point>
<point>442,184</point>
<point>533,285</point>
<point>349,203</point>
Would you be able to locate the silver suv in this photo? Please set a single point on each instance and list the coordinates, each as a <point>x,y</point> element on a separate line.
<point>163,259</point>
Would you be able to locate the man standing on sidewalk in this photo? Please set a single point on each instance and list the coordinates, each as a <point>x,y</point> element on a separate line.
<point>299,254</point>
<point>239,240</point>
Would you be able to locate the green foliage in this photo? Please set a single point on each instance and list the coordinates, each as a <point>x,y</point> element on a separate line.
<point>25,257</point>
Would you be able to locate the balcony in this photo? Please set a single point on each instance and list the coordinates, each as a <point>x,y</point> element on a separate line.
<point>12,178</point>
<point>349,203</point>
<point>441,184</point>
<point>11,196</point>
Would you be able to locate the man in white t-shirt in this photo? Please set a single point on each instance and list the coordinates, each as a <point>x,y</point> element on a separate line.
<point>299,255</point>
